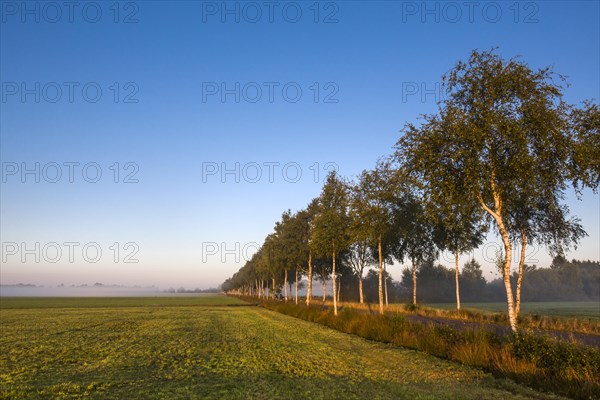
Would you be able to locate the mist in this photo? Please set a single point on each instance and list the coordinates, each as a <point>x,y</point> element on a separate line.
<point>24,290</point>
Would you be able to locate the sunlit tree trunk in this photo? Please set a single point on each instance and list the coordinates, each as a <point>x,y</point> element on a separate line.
<point>520,278</point>
<point>324,290</point>
<point>309,290</point>
<point>385,286</point>
<point>273,295</point>
<point>380,276</point>
<point>296,291</point>
<point>497,215</point>
<point>333,277</point>
<point>457,286</point>
<point>360,289</point>
<point>414,273</point>
<point>285,292</point>
<point>507,285</point>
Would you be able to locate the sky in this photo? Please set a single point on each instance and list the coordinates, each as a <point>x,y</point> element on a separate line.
<point>157,143</point>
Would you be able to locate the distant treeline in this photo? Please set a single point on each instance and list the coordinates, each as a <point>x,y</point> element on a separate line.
<point>563,281</point>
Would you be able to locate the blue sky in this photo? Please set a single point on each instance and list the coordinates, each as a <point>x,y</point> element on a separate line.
<point>163,117</point>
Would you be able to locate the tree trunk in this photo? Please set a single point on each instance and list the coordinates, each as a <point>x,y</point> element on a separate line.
<point>512,318</point>
<point>414,271</point>
<point>385,285</point>
<point>497,215</point>
<point>457,273</point>
<point>333,277</point>
<point>273,295</point>
<point>380,276</point>
<point>296,290</point>
<point>360,289</point>
<point>324,290</point>
<point>521,267</point>
<point>285,292</point>
<point>309,290</point>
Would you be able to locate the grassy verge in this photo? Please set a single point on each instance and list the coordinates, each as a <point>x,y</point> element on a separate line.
<point>581,321</point>
<point>560,309</point>
<point>581,317</point>
<point>540,362</point>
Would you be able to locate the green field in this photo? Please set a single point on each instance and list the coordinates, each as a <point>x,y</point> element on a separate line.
<point>200,348</point>
<point>583,309</point>
<point>112,302</point>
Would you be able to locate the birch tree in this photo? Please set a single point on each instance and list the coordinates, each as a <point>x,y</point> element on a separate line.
<point>512,138</point>
<point>371,216</point>
<point>330,228</point>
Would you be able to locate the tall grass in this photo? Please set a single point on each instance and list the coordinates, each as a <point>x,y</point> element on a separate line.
<point>566,368</point>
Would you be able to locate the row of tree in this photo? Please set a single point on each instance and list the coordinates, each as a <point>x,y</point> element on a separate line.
<point>499,153</point>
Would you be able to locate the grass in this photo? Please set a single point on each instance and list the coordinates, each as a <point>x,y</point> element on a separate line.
<point>166,349</point>
<point>112,302</point>
<point>579,317</point>
<point>539,361</point>
<point>583,309</point>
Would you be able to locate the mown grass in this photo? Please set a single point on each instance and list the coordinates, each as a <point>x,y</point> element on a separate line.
<point>111,302</point>
<point>215,352</point>
<point>561,367</point>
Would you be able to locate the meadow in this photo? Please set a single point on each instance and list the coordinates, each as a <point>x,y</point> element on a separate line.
<point>212,347</point>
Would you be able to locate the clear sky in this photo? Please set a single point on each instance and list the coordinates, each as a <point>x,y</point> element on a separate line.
<point>205,113</point>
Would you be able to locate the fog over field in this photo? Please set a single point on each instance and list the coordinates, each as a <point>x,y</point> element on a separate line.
<point>66,291</point>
